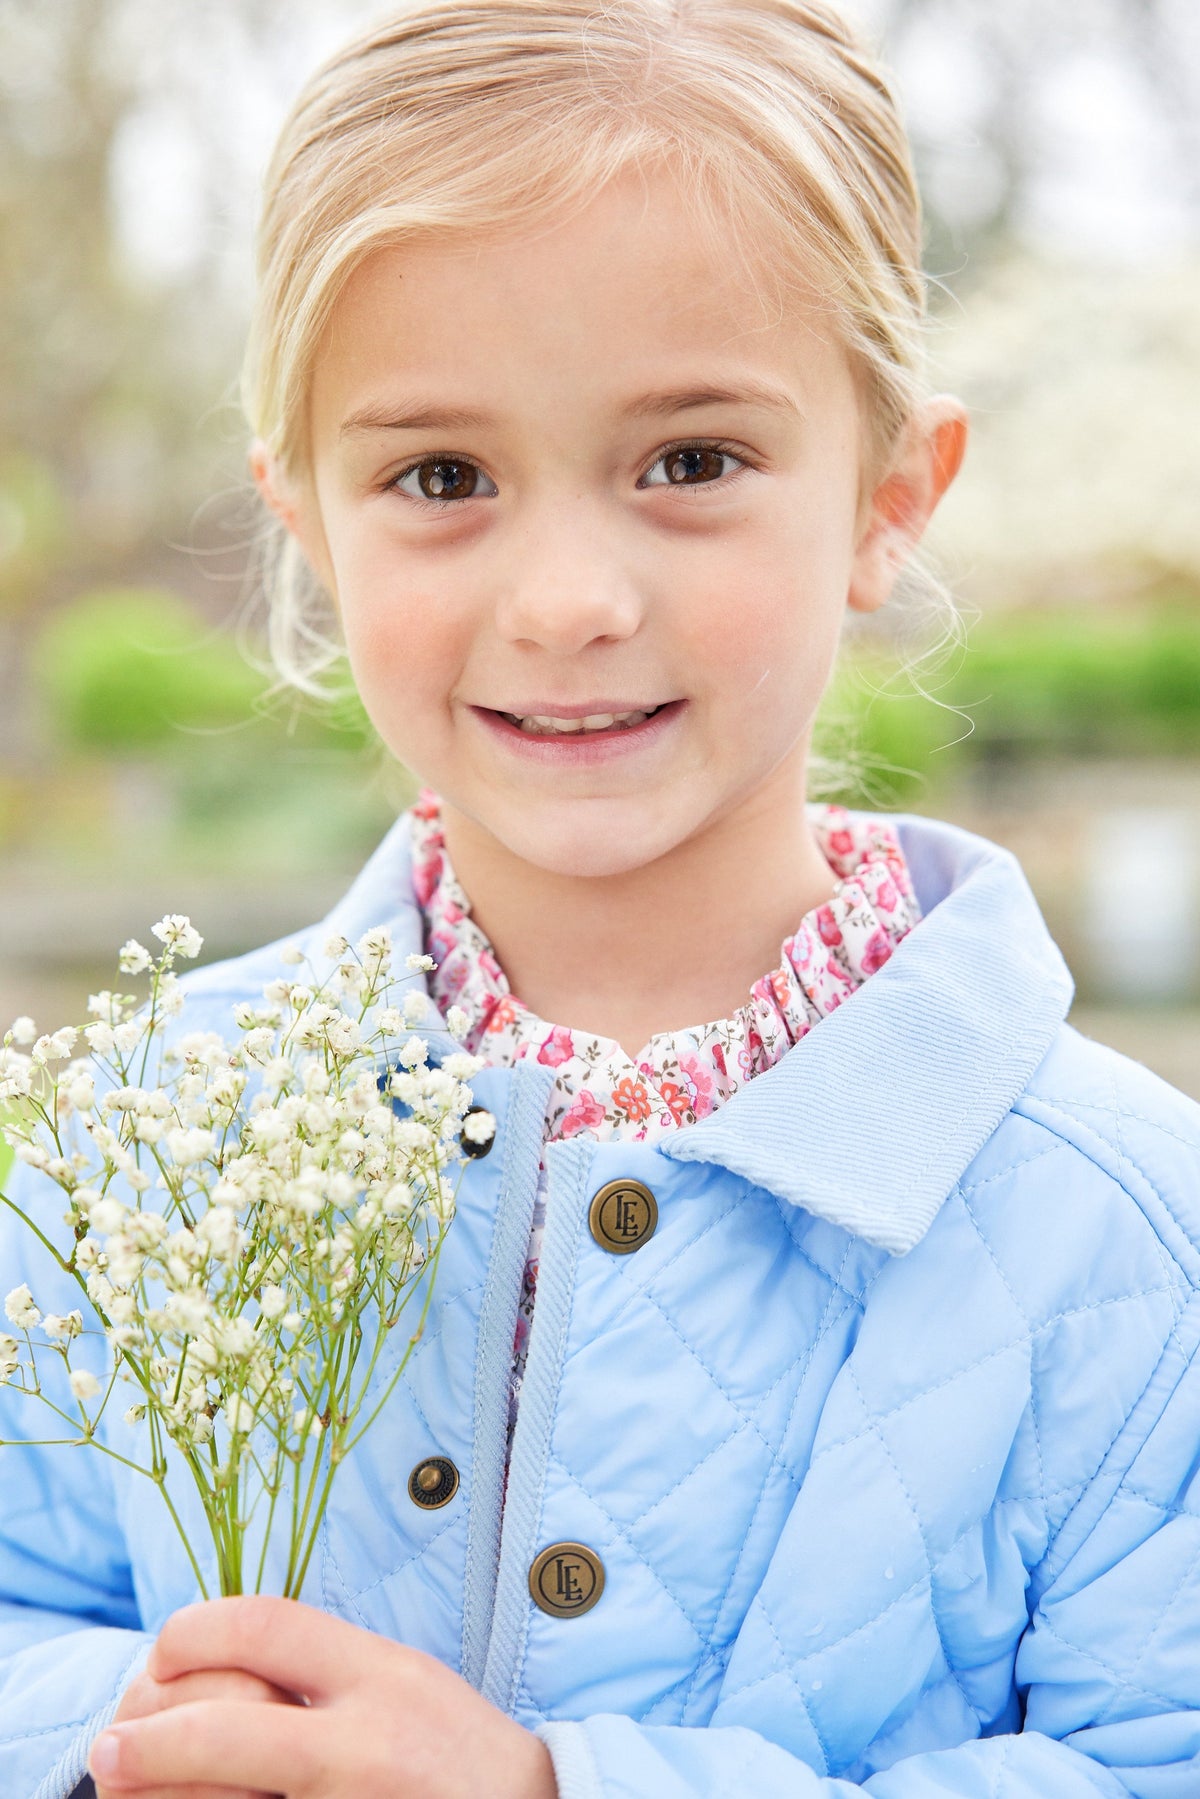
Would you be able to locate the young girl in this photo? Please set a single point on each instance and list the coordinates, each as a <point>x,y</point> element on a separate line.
<point>807,1403</point>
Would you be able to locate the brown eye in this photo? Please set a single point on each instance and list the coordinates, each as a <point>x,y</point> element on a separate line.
<point>689,465</point>
<point>693,465</point>
<point>446,480</point>
<point>442,479</point>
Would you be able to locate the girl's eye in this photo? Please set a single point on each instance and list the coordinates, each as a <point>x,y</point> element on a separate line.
<point>690,465</point>
<point>440,479</point>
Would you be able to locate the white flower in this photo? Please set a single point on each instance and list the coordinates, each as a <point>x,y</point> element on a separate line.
<point>239,1414</point>
<point>344,1036</point>
<point>34,1155</point>
<point>22,1030</point>
<point>170,995</point>
<point>479,1127</point>
<point>200,1428</point>
<point>84,1384</point>
<point>17,1081</point>
<point>189,1147</point>
<point>292,1321</point>
<point>273,1302</point>
<point>8,1358</point>
<point>189,1311</point>
<point>460,1066</point>
<point>63,1328</point>
<point>413,1053</point>
<point>127,1036</point>
<point>179,934</point>
<point>258,1043</point>
<point>420,964</point>
<point>376,943</point>
<point>100,1038</point>
<point>335,947</point>
<point>135,1414</point>
<point>391,1021</point>
<point>149,1130</point>
<point>20,1309</point>
<point>54,1047</point>
<point>88,1253</point>
<point>82,1092</point>
<point>133,957</point>
<point>100,1289</point>
<point>107,1215</point>
<point>220,1230</point>
<point>292,956</point>
<point>457,1022</point>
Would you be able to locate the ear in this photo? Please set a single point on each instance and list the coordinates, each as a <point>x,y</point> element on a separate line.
<point>926,461</point>
<point>295,506</point>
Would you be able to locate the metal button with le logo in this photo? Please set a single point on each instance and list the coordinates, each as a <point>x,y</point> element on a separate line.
<point>566,1580</point>
<point>433,1482</point>
<point>623,1216</point>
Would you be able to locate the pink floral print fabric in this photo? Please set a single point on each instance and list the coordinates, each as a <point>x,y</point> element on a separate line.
<point>678,1077</point>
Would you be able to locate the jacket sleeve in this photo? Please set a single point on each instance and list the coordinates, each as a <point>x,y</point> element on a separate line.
<point>1108,1668</point>
<point>70,1631</point>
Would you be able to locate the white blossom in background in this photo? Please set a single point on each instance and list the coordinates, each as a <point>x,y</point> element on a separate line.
<point>238,1216</point>
<point>1080,478</point>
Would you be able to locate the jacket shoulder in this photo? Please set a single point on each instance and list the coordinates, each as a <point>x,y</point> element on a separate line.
<point>1114,1125</point>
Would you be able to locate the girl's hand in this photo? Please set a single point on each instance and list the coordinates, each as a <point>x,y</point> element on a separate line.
<point>377,1720</point>
<point>144,1696</point>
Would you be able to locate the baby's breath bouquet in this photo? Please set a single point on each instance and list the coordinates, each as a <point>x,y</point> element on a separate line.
<point>247,1220</point>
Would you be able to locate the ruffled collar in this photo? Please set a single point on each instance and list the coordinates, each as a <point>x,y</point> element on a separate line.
<point>682,1076</point>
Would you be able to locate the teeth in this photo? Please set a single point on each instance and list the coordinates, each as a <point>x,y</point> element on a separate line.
<point>540,725</point>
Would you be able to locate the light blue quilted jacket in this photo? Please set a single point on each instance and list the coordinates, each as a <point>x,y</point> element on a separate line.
<point>888,1438</point>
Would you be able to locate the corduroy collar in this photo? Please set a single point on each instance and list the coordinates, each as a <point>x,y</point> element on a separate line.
<point>869,1120</point>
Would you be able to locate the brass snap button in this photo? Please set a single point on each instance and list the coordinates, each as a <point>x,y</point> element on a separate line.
<point>475,1149</point>
<point>433,1482</point>
<point>623,1216</point>
<point>566,1580</point>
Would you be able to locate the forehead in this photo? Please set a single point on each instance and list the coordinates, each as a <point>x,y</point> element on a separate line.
<point>631,287</point>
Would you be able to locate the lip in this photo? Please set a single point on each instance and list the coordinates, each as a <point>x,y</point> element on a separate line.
<point>558,709</point>
<point>573,750</point>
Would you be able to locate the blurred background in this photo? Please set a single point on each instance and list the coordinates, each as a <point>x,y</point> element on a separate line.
<point>1059,149</point>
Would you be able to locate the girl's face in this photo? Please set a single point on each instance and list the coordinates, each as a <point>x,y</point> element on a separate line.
<point>582,475</point>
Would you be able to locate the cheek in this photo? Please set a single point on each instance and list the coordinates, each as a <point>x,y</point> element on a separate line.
<point>776,621</point>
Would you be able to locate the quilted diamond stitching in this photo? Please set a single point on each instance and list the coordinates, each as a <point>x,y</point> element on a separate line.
<point>824,1325</point>
<point>1043,1624</point>
<point>414,1555</point>
<point>1029,1329</point>
<point>956,1374</point>
<point>788,1671</point>
<point>911,1503</point>
<point>622,1533</point>
<point>1153,1631</point>
<point>1064,1105</point>
<point>328,1554</point>
<point>1057,1148</point>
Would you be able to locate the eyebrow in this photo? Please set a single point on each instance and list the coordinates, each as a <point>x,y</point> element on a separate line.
<point>651,405</point>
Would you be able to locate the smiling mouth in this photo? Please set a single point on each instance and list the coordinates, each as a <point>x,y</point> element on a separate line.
<point>595,724</point>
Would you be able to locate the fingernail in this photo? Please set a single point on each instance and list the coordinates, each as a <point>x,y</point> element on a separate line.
<point>105,1755</point>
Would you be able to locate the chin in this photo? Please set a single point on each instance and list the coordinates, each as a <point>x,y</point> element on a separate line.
<point>592,840</point>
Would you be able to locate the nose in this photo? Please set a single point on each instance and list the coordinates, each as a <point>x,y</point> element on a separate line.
<point>568,587</point>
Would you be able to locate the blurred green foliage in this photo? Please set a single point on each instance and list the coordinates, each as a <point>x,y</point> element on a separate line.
<point>1029,685</point>
<point>128,670</point>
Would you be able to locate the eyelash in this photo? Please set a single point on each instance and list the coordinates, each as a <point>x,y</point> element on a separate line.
<point>428,505</point>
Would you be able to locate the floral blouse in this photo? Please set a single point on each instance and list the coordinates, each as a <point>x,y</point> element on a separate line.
<point>679,1076</point>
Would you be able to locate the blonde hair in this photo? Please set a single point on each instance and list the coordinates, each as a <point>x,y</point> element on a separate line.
<point>491,114</point>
